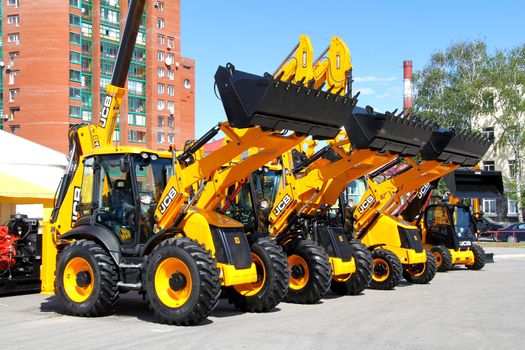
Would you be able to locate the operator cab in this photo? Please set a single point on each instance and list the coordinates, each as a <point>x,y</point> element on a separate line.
<point>254,201</point>
<point>121,192</point>
<point>450,225</point>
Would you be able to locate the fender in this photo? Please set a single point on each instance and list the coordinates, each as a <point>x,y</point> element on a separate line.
<point>159,237</point>
<point>97,233</point>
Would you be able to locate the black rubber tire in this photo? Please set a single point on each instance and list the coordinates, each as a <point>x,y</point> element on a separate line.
<point>512,239</point>
<point>276,280</point>
<point>443,258</point>
<point>206,286</point>
<point>479,258</point>
<point>105,291</point>
<point>360,279</point>
<point>394,270</point>
<point>319,269</point>
<point>429,272</point>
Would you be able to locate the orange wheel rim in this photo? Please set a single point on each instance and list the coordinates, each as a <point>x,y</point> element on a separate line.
<point>251,289</point>
<point>173,282</point>
<point>416,270</point>
<point>299,272</point>
<point>439,258</point>
<point>381,270</point>
<point>78,279</point>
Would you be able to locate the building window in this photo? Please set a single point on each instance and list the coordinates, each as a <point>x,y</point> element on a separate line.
<point>160,6</point>
<point>74,75</point>
<point>87,29</point>
<point>74,3</point>
<point>512,168</point>
<point>12,75</point>
<point>160,137</point>
<point>106,67</point>
<point>160,88</point>
<point>74,93</point>
<point>12,56</point>
<point>170,122</point>
<point>104,82</point>
<point>14,19</point>
<point>109,33</point>
<point>171,42</point>
<point>12,94</point>
<point>141,38</point>
<point>171,138</point>
<point>74,38</point>
<point>74,20</point>
<point>160,55</point>
<point>489,207</point>
<point>137,119</point>
<point>187,84</point>
<point>116,136</point>
<point>136,104</point>
<point>160,23</point>
<point>12,2</point>
<point>13,38</point>
<point>136,87</point>
<point>12,112</point>
<point>160,72</point>
<point>489,165</point>
<point>171,74</point>
<point>488,133</point>
<point>86,116</point>
<point>171,90</point>
<point>160,121</point>
<point>171,107</point>
<point>136,136</point>
<point>139,55</point>
<point>160,39</point>
<point>112,3</point>
<point>512,208</point>
<point>74,111</point>
<point>109,16</point>
<point>160,105</point>
<point>75,57</point>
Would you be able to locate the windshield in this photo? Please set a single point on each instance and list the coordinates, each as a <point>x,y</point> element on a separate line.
<point>463,222</point>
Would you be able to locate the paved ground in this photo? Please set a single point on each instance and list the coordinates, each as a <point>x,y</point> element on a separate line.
<point>461,309</point>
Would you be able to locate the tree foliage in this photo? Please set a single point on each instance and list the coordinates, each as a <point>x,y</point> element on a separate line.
<point>464,82</point>
<point>449,90</point>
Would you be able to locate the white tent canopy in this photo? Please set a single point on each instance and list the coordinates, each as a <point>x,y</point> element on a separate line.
<point>28,162</point>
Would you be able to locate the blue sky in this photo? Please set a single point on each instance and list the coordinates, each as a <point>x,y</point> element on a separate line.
<point>256,36</point>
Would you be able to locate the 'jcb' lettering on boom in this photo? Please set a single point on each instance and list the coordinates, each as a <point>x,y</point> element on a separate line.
<point>282,204</point>
<point>105,111</point>
<point>76,200</point>
<point>167,200</point>
<point>422,191</point>
<point>369,200</point>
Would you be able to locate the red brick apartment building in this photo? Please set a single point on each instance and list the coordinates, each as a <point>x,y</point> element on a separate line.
<point>58,56</point>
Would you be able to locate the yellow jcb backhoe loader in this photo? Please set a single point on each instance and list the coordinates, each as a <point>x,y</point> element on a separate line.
<point>376,218</point>
<point>448,229</point>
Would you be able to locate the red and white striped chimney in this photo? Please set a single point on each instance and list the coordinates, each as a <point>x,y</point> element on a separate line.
<point>407,86</point>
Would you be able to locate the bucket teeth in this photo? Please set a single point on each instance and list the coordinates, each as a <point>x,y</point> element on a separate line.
<point>464,148</point>
<point>251,100</point>
<point>387,132</point>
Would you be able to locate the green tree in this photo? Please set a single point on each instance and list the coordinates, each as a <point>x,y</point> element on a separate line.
<point>449,90</point>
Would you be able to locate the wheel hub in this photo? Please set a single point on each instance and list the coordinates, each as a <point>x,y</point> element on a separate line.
<point>83,279</point>
<point>380,270</point>
<point>177,281</point>
<point>297,271</point>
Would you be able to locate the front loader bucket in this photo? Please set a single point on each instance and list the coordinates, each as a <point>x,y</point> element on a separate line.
<point>386,132</point>
<point>467,183</point>
<point>252,100</point>
<point>448,146</point>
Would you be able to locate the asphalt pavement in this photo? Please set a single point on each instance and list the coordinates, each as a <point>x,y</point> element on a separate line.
<point>460,308</point>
